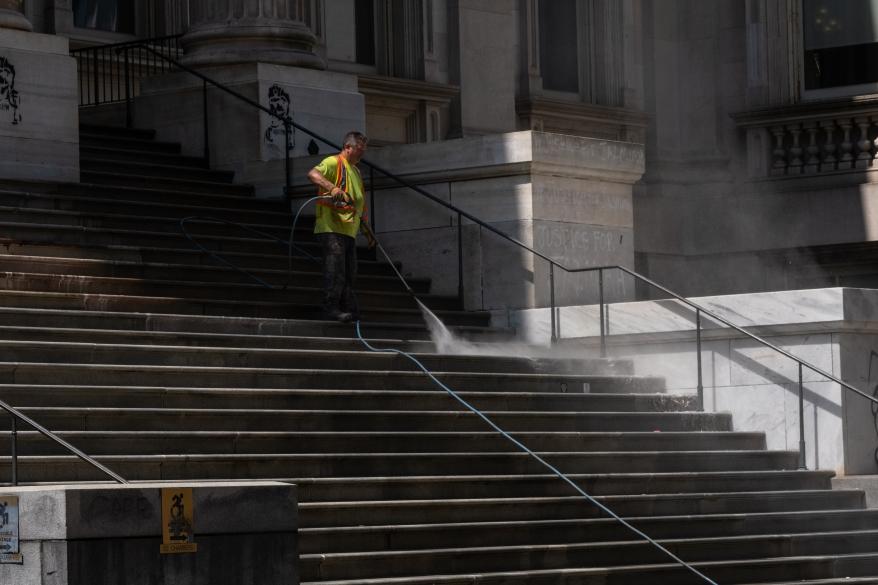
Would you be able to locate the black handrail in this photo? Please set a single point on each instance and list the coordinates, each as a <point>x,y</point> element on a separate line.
<point>100,77</point>
<point>699,310</point>
<point>18,415</point>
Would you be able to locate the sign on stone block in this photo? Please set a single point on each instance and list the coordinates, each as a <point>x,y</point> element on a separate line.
<point>9,531</point>
<point>178,534</point>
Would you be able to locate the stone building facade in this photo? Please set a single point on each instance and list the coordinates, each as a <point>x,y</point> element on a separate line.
<point>717,146</point>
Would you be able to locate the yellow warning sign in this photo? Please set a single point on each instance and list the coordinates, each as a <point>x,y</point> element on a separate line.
<point>177,525</point>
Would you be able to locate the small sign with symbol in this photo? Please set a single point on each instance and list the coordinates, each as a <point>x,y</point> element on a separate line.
<point>177,526</point>
<point>9,542</point>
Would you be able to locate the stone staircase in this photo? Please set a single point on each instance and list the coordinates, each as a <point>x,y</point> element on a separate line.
<point>119,335</point>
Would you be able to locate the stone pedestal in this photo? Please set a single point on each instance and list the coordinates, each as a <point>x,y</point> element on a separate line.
<point>241,31</point>
<point>243,138</point>
<point>834,329</point>
<point>110,534</point>
<point>568,197</point>
<point>39,99</point>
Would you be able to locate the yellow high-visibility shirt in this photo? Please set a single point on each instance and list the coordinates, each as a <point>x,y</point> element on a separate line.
<point>341,220</point>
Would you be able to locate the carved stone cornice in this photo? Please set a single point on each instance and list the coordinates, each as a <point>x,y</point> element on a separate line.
<point>581,119</point>
<point>806,111</point>
<point>12,15</point>
<point>407,89</point>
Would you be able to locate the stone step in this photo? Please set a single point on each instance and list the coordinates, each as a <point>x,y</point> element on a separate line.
<point>300,399</point>
<point>48,373</point>
<point>199,228</point>
<point>188,257</point>
<point>58,234</point>
<point>120,142</point>
<point>157,181</point>
<point>158,419</point>
<point>518,532</point>
<point>60,352</point>
<point>804,569</point>
<point>145,156</point>
<point>353,513</point>
<point>439,561</point>
<point>235,210</point>
<point>517,486</point>
<point>221,307</point>
<point>158,272</point>
<point>163,170</point>
<point>255,328</point>
<point>134,442</point>
<point>117,131</point>
<point>190,465</point>
<point>163,195</point>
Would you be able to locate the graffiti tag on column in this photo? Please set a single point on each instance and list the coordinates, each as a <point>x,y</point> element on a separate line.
<point>279,103</point>
<point>9,99</point>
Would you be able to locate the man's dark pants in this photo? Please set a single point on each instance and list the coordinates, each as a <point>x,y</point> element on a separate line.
<point>339,273</point>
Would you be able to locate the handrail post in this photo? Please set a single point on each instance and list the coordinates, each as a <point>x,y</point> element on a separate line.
<point>206,128</point>
<point>460,257</point>
<point>288,171</point>
<point>129,118</point>
<point>601,309</point>
<point>698,353</point>
<point>802,463</point>
<point>554,336</point>
<point>14,446</point>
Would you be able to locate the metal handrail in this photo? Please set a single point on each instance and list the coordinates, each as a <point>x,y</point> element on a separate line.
<point>699,310</point>
<point>18,415</point>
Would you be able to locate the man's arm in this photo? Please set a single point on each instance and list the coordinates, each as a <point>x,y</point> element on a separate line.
<point>315,177</point>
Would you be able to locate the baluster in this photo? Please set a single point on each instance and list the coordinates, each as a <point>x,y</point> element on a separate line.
<point>812,162</point>
<point>847,158</point>
<point>864,145</point>
<point>796,150</point>
<point>779,154</point>
<point>829,147</point>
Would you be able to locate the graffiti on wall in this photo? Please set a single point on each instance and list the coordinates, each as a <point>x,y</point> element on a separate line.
<point>9,98</point>
<point>279,103</point>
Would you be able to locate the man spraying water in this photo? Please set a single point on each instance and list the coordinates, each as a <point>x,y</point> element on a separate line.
<point>338,221</point>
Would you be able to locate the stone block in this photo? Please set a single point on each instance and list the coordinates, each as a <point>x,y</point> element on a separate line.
<point>249,141</point>
<point>110,534</point>
<point>39,101</point>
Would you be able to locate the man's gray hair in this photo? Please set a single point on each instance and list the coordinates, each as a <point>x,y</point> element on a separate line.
<point>353,138</point>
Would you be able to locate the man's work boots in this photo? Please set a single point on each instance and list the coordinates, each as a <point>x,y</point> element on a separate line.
<point>340,316</point>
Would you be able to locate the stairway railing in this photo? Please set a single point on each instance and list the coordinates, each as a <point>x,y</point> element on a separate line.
<point>16,415</point>
<point>105,79</point>
<point>700,311</point>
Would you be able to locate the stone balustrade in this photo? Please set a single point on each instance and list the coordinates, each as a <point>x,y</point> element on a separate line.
<point>812,138</point>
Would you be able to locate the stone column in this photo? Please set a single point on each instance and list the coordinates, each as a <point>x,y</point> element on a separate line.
<point>224,32</point>
<point>12,15</point>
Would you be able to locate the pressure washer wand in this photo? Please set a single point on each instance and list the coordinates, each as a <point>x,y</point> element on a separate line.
<point>368,228</point>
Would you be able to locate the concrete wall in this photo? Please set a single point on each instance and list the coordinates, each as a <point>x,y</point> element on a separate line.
<point>111,534</point>
<point>39,123</point>
<point>831,328</point>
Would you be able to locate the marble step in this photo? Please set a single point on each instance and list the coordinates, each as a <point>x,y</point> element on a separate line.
<point>155,169</point>
<point>619,389</point>
<point>134,442</point>
<point>189,465</point>
<point>353,513</point>
<point>308,275</point>
<point>573,555</point>
<point>235,209</point>
<point>116,131</point>
<point>243,307</point>
<point>60,373</point>
<point>90,136</point>
<point>520,532</point>
<point>120,177</point>
<point>803,569</point>
<point>204,419</point>
<point>257,329</point>
<point>108,153</point>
